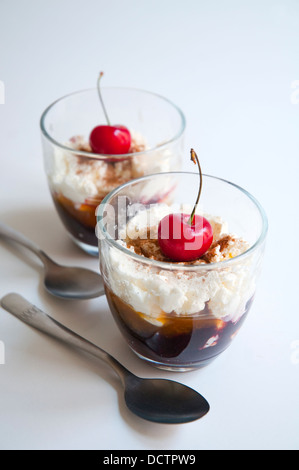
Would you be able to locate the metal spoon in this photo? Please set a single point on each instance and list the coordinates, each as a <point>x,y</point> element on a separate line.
<point>61,281</point>
<point>158,400</point>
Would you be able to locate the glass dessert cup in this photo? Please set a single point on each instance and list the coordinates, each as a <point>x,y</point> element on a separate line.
<point>180,316</point>
<point>78,179</point>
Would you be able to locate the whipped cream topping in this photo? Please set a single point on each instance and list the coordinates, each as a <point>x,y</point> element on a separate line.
<point>83,179</point>
<point>153,290</point>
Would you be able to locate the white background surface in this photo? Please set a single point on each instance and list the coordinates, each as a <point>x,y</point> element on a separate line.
<point>230,66</point>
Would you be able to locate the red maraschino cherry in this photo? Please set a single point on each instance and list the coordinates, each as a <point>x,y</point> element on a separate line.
<point>108,139</point>
<point>184,237</point>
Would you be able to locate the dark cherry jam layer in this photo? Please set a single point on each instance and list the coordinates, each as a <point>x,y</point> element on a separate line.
<point>180,341</point>
<point>78,219</point>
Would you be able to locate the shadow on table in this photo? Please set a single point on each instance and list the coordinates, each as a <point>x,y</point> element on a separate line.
<point>43,226</point>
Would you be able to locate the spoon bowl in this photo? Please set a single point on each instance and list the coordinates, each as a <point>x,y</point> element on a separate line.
<point>170,402</point>
<point>62,281</point>
<point>156,400</point>
<point>72,282</point>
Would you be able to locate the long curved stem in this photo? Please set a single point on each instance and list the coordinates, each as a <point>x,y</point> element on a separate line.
<point>195,160</point>
<point>101,99</point>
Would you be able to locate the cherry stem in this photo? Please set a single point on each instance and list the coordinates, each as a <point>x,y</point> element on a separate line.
<point>101,99</point>
<point>195,160</point>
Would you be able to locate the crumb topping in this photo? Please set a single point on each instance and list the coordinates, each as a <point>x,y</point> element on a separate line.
<point>92,177</point>
<point>82,179</point>
<point>226,247</point>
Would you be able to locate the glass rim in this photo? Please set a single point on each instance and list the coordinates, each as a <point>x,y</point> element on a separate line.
<point>98,156</point>
<point>172,265</point>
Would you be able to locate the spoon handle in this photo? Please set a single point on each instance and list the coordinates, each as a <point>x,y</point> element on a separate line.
<point>12,234</point>
<point>33,316</point>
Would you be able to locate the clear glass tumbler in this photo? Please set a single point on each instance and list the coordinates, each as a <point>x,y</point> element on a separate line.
<point>179,316</point>
<point>79,179</point>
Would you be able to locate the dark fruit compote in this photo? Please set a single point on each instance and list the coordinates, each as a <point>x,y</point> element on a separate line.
<point>181,341</point>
